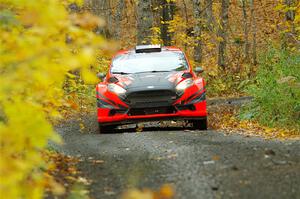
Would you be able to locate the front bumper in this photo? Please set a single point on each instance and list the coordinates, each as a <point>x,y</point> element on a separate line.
<point>108,116</point>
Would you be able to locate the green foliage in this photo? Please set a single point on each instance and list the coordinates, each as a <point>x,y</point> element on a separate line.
<point>276,90</point>
<point>226,83</point>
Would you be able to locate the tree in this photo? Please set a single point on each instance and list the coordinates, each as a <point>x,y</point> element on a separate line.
<point>290,35</point>
<point>103,9</point>
<point>109,18</point>
<point>186,19</point>
<point>210,21</point>
<point>144,21</point>
<point>253,27</point>
<point>197,31</point>
<point>38,47</point>
<point>168,10</point>
<point>222,33</point>
<point>246,31</point>
<point>290,14</point>
<point>118,18</point>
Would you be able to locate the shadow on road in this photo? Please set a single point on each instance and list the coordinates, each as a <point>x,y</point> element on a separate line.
<point>134,128</point>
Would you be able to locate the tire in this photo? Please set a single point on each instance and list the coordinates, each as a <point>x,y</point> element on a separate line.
<point>200,124</point>
<point>107,129</point>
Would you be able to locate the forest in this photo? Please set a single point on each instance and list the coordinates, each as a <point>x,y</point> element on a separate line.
<point>51,51</point>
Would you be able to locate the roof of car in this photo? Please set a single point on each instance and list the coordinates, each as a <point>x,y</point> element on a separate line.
<point>164,48</point>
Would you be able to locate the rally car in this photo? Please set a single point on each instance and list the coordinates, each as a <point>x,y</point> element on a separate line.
<point>150,82</point>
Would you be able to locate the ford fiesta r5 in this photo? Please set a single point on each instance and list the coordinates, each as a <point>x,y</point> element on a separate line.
<point>150,83</point>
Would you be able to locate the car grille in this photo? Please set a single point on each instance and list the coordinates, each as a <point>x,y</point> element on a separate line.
<point>148,99</point>
<point>150,111</point>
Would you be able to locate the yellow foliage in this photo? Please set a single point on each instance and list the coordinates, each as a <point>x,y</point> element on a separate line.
<point>40,42</point>
<point>166,191</point>
<point>288,25</point>
<point>155,38</point>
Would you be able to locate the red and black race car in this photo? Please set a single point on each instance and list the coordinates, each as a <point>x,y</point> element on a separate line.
<point>150,83</point>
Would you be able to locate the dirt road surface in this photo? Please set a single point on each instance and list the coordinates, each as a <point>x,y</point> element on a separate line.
<point>199,164</point>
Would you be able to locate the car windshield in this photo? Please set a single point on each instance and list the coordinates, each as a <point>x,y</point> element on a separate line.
<point>149,62</point>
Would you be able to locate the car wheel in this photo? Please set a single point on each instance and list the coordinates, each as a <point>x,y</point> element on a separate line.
<point>107,129</point>
<point>200,124</point>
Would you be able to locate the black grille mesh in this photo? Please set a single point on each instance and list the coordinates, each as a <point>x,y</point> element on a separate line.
<point>157,98</point>
<point>149,111</point>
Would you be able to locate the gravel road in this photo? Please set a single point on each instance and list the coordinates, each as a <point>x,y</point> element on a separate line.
<point>199,164</point>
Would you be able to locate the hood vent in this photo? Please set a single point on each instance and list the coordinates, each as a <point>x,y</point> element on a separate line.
<point>113,80</point>
<point>187,75</point>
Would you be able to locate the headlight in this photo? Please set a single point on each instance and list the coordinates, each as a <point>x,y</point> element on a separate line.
<point>184,85</point>
<point>116,89</point>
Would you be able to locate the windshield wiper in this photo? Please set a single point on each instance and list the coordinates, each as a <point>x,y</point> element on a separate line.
<point>154,71</point>
<point>121,73</point>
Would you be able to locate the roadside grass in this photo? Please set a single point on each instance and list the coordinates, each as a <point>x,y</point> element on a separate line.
<point>275,91</point>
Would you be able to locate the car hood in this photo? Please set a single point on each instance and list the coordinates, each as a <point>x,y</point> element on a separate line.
<point>150,81</point>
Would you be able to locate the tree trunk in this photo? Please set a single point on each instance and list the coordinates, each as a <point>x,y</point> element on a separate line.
<point>168,10</point>
<point>222,34</point>
<point>144,21</point>
<point>290,37</point>
<point>210,21</point>
<point>246,31</point>
<point>118,18</point>
<point>103,9</point>
<point>108,17</point>
<point>290,15</point>
<point>253,27</point>
<point>186,23</point>
<point>197,31</point>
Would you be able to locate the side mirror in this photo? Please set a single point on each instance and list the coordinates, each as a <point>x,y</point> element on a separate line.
<point>101,75</point>
<point>199,69</point>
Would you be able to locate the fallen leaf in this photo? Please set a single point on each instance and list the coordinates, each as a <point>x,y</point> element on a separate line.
<point>98,161</point>
<point>215,158</point>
